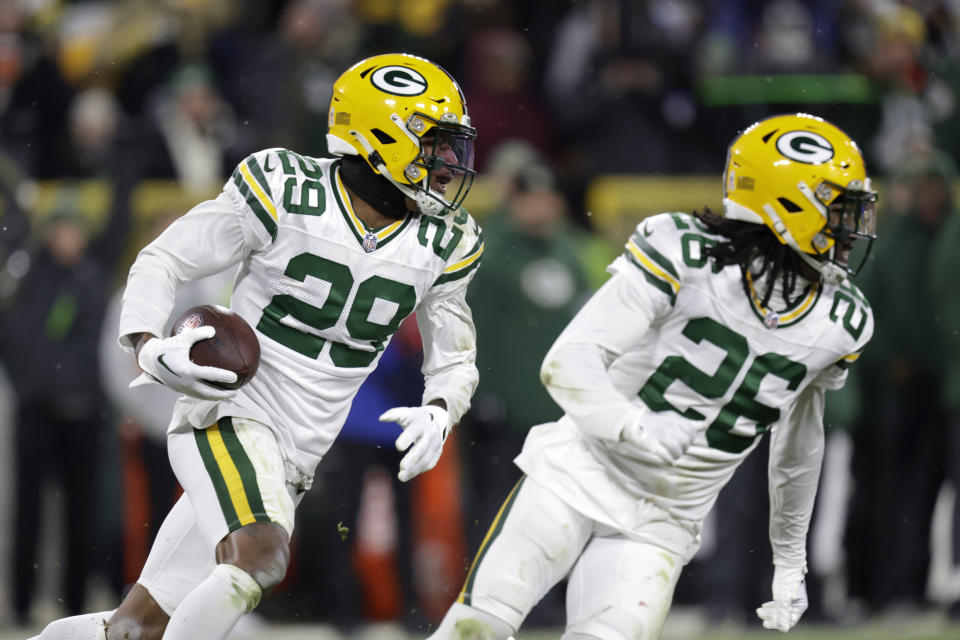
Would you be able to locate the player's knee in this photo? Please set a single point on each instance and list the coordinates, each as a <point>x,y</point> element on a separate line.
<point>261,549</point>
<point>270,566</point>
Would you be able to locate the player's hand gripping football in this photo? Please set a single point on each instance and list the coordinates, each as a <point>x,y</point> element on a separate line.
<point>167,361</point>
<point>666,442</point>
<point>424,431</point>
<point>789,599</point>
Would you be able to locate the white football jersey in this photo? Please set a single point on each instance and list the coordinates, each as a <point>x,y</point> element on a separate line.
<point>670,339</point>
<point>323,292</point>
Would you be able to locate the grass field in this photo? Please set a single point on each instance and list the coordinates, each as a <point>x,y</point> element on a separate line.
<point>680,626</point>
<point>315,633</point>
<point>684,622</point>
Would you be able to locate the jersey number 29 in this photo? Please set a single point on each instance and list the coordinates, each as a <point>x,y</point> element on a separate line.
<point>326,316</point>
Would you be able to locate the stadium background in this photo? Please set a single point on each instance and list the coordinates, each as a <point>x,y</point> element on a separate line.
<point>116,115</point>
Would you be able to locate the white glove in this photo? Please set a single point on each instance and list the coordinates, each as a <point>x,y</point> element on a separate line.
<point>425,428</point>
<point>167,361</point>
<point>666,442</point>
<point>789,599</point>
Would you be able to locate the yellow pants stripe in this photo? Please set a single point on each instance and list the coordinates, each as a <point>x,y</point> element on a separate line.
<point>464,597</point>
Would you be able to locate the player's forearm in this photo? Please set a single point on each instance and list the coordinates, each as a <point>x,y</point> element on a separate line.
<point>575,371</point>
<point>449,354</point>
<point>207,240</point>
<point>147,300</point>
<point>138,340</point>
<point>453,387</point>
<point>791,507</point>
<point>575,375</point>
<point>796,454</point>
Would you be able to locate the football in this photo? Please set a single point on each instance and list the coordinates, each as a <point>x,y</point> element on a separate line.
<point>234,347</point>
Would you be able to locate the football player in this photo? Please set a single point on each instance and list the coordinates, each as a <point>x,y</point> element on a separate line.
<point>713,330</point>
<point>332,254</point>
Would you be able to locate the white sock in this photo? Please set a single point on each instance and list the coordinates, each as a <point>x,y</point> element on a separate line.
<point>88,626</point>
<point>466,623</point>
<point>214,605</point>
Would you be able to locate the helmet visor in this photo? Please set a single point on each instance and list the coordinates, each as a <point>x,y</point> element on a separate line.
<point>447,152</point>
<point>852,214</point>
<point>454,147</point>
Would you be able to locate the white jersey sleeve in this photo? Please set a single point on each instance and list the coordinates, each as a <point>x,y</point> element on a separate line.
<point>796,453</point>
<point>212,236</point>
<point>611,323</point>
<point>446,324</point>
<point>851,309</point>
<point>797,442</point>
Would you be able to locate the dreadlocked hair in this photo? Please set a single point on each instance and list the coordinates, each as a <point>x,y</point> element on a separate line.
<point>746,243</point>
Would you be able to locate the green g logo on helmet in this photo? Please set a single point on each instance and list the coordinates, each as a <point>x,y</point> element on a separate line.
<point>400,81</point>
<point>805,146</point>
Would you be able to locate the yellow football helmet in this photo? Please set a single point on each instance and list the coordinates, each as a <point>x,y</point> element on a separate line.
<point>386,107</point>
<point>806,180</point>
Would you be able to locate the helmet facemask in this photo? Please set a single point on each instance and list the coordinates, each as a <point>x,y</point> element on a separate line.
<point>850,213</point>
<point>447,157</point>
<point>442,173</point>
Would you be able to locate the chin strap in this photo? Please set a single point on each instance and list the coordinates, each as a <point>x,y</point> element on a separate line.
<point>829,271</point>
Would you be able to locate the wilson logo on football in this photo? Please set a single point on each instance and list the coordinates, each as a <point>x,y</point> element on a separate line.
<point>805,146</point>
<point>400,81</point>
<point>195,320</point>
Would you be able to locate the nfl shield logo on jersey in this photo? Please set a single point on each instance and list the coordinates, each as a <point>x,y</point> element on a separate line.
<point>771,320</point>
<point>192,322</point>
<point>369,242</point>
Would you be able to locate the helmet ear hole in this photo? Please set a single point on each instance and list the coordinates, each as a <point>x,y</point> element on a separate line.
<point>383,137</point>
<point>789,205</point>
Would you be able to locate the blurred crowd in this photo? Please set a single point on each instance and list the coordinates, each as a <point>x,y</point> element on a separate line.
<point>98,98</point>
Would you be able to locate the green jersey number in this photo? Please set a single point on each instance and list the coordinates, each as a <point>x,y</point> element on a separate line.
<point>855,317</point>
<point>359,326</point>
<point>310,198</point>
<point>443,251</point>
<point>743,404</point>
